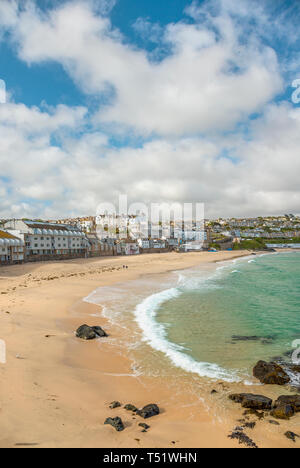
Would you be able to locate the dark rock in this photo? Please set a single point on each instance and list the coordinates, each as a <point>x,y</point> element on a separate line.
<point>294,368</point>
<point>291,435</point>
<point>245,338</point>
<point>270,373</point>
<point>115,404</point>
<point>144,425</point>
<point>248,400</point>
<point>148,411</point>
<point>130,407</point>
<point>242,421</point>
<point>213,392</point>
<point>89,333</point>
<point>242,439</point>
<point>254,413</point>
<point>250,425</point>
<point>100,332</point>
<point>117,423</point>
<point>293,400</point>
<point>271,421</point>
<point>288,354</point>
<point>266,341</point>
<point>278,359</point>
<point>283,411</point>
<point>263,339</point>
<point>86,333</point>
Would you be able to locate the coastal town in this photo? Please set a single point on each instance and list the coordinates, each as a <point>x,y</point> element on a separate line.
<point>24,240</point>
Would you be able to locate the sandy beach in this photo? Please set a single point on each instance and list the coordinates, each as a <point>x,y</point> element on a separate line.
<point>56,389</point>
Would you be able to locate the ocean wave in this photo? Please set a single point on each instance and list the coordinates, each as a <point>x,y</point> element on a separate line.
<point>155,335</point>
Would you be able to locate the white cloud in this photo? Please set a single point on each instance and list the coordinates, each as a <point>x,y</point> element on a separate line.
<point>34,120</point>
<point>209,82</point>
<point>261,177</point>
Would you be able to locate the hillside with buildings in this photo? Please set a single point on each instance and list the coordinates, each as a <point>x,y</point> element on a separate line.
<point>23,240</point>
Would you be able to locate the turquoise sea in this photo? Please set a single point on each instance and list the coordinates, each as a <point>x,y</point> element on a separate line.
<point>242,312</point>
<point>215,321</point>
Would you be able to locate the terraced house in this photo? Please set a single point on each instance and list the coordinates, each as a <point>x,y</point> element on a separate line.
<point>11,249</point>
<point>48,240</point>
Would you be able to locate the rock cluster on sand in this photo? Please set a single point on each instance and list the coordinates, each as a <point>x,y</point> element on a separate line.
<point>117,423</point>
<point>270,373</point>
<point>283,408</point>
<point>90,333</point>
<point>248,400</point>
<point>148,411</point>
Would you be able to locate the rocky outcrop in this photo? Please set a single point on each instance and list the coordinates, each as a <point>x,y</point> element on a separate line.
<point>242,438</point>
<point>115,404</point>
<point>291,435</point>
<point>263,339</point>
<point>248,400</point>
<point>270,373</point>
<point>117,423</point>
<point>144,425</point>
<point>89,333</point>
<point>149,411</point>
<point>99,331</point>
<point>130,407</point>
<point>283,411</point>
<point>293,400</point>
<point>294,368</point>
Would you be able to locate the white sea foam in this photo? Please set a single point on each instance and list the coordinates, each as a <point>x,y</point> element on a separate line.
<point>154,334</point>
<point>295,378</point>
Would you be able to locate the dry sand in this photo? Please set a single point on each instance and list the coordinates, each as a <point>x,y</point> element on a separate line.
<point>56,389</point>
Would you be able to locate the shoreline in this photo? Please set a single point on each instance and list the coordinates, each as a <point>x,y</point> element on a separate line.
<point>45,361</point>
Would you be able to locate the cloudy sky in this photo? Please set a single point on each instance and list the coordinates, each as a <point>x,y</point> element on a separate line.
<point>165,101</point>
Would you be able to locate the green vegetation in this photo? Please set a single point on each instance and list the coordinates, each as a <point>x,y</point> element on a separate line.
<point>294,240</point>
<point>214,245</point>
<point>253,244</point>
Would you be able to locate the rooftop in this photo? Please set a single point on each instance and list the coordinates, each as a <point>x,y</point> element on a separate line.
<point>7,235</point>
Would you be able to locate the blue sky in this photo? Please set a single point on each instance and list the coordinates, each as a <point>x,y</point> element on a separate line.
<point>32,84</point>
<point>159,100</point>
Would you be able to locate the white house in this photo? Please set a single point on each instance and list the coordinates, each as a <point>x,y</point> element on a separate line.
<point>157,244</point>
<point>129,247</point>
<point>48,239</point>
<point>11,249</point>
<point>144,243</point>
